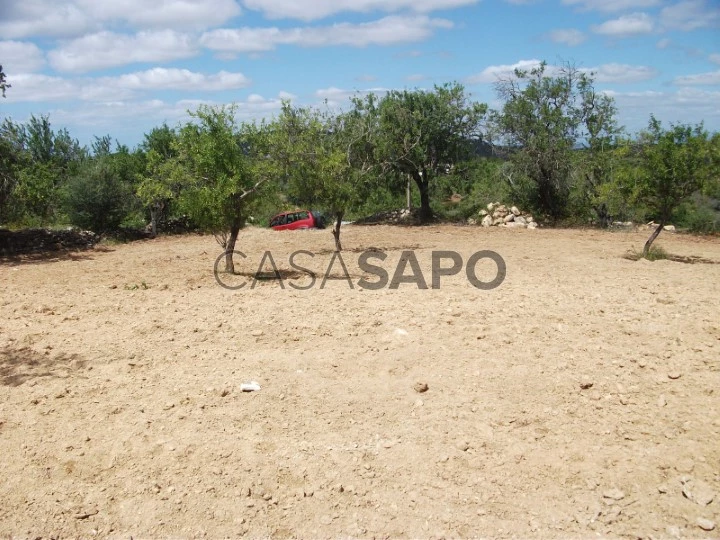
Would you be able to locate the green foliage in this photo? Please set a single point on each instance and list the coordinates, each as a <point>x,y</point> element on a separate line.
<point>655,253</point>
<point>674,164</point>
<point>543,119</point>
<point>97,198</point>
<point>418,133</point>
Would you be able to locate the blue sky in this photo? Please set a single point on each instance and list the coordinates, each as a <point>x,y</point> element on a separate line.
<point>107,67</point>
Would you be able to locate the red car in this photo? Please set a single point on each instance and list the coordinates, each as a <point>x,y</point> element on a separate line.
<point>299,219</point>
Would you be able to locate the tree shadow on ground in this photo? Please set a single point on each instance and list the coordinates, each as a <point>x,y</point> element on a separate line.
<point>687,259</point>
<point>48,257</point>
<point>19,365</point>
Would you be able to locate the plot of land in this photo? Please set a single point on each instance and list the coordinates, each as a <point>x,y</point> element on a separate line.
<point>582,396</point>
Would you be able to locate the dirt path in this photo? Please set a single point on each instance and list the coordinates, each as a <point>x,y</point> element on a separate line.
<point>121,412</point>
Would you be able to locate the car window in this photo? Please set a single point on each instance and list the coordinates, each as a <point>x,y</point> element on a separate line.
<point>302,215</point>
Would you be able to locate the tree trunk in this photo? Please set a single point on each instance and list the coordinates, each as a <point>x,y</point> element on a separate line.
<point>423,185</point>
<point>336,230</point>
<point>652,238</point>
<point>229,264</point>
<point>153,221</point>
<point>408,193</point>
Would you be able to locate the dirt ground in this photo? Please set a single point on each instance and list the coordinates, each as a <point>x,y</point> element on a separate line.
<point>579,398</point>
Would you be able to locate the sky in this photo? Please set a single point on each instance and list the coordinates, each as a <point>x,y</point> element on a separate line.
<point>120,68</point>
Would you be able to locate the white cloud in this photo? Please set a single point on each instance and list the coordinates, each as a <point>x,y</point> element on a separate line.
<point>20,57</point>
<point>107,49</point>
<point>622,73</point>
<point>690,15</point>
<point>626,25</point>
<point>610,6</point>
<point>605,73</point>
<point>492,74</point>
<point>319,9</point>
<point>287,96</point>
<point>337,96</point>
<point>711,78</point>
<point>386,31</point>
<point>179,79</point>
<point>38,88</point>
<point>187,14</point>
<point>71,18</point>
<point>714,58</point>
<point>567,36</point>
<point>687,105</point>
<point>47,18</point>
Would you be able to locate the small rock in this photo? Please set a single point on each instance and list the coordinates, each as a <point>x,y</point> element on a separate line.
<point>521,220</point>
<point>705,524</point>
<point>661,401</point>
<point>419,402</point>
<point>340,488</point>
<point>257,333</point>
<point>614,494</point>
<point>669,228</point>
<point>624,400</point>
<point>685,466</point>
<point>698,492</point>
<point>509,218</point>
<point>662,488</point>
<point>674,375</point>
<point>515,210</point>
<point>463,446</point>
<point>673,531</point>
<point>420,387</point>
<point>487,221</point>
<point>532,225</point>
<point>586,383</point>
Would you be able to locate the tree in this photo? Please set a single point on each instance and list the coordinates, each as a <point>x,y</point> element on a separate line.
<point>3,82</point>
<point>421,134</point>
<point>675,163</point>
<point>544,118</point>
<point>312,149</point>
<point>225,168</point>
<point>159,182</point>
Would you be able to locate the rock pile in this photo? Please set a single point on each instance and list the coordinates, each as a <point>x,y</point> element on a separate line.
<point>39,240</point>
<point>499,215</point>
<point>391,216</point>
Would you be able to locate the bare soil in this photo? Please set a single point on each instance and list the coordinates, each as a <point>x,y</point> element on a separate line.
<point>580,397</point>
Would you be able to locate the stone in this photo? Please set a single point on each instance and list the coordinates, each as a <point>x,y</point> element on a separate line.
<point>669,228</point>
<point>614,494</point>
<point>515,225</point>
<point>586,383</point>
<point>532,225</point>
<point>674,375</point>
<point>490,207</point>
<point>515,210</point>
<point>529,218</point>
<point>705,524</point>
<point>497,221</point>
<point>483,212</point>
<point>661,401</point>
<point>487,221</point>
<point>420,387</point>
<point>257,333</point>
<point>472,221</point>
<point>698,492</point>
<point>520,219</point>
<point>463,446</point>
<point>509,218</point>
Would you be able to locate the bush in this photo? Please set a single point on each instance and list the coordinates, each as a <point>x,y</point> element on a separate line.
<point>701,214</point>
<point>97,199</point>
